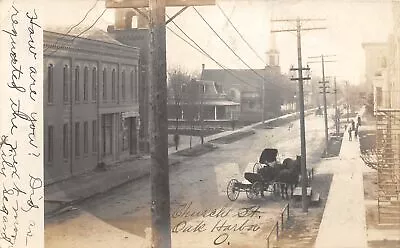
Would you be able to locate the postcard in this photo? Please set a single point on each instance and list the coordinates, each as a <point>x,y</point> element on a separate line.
<point>207,123</point>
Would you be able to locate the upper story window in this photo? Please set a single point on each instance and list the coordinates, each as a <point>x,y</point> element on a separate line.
<point>104,84</point>
<point>50,84</point>
<point>123,88</point>
<point>134,84</point>
<point>65,84</point>
<point>94,84</point>
<point>113,81</point>
<point>77,84</point>
<point>85,83</point>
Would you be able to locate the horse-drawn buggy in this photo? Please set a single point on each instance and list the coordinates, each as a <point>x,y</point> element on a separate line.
<point>269,175</point>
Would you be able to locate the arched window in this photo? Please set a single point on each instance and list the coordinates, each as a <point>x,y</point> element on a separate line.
<point>65,84</point>
<point>50,84</point>
<point>104,84</point>
<point>85,83</point>
<point>113,79</point>
<point>123,86</point>
<point>77,84</point>
<point>94,84</point>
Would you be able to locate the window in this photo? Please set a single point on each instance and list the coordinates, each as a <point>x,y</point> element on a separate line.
<point>134,84</point>
<point>123,86</point>
<point>113,85</point>
<point>107,134</point>
<point>77,135</point>
<point>95,135</point>
<point>65,83</point>
<point>125,133</point>
<point>378,96</point>
<point>104,84</point>
<point>85,84</point>
<point>50,86</point>
<point>50,143</point>
<point>85,138</point>
<point>65,141</point>
<point>94,84</point>
<point>77,84</point>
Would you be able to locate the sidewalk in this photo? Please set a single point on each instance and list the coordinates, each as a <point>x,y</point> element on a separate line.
<point>343,224</point>
<point>65,193</point>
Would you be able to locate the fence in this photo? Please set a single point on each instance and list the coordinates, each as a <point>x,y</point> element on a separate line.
<point>275,228</point>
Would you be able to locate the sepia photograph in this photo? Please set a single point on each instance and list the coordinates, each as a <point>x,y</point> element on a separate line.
<point>200,123</point>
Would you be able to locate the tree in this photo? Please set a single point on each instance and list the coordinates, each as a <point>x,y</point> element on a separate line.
<point>177,81</point>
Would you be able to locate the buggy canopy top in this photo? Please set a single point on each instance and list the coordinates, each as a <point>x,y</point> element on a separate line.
<point>268,155</point>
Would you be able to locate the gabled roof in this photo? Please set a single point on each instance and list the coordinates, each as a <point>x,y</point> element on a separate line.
<point>84,33</point>
<point>249,80</point>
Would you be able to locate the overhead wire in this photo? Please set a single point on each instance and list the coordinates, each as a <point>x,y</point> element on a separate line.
<point>79,23</point>
<point>227,45</point>
<point>240,35</point>
<point>84,31</point>
<point>210,57</point>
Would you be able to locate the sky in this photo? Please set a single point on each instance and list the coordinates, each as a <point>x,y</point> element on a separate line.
<point>348,24</point>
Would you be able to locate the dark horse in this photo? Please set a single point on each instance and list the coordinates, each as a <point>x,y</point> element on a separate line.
<point>289,175</point>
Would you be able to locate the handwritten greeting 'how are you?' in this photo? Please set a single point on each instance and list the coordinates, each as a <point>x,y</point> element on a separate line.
<point>21,132</point>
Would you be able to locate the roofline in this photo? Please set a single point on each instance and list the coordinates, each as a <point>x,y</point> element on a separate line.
<point>84,38</point>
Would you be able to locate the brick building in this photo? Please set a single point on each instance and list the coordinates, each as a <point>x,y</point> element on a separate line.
<point>91,104</point>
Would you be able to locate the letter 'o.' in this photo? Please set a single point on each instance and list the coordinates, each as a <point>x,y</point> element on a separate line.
<point>221,239</point>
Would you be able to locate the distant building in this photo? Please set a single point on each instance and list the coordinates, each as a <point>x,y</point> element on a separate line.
<point>375,59</point>
<point>245,87</point>
<point>91,107</point>
<point>383,61</point>
<point>201,99</point>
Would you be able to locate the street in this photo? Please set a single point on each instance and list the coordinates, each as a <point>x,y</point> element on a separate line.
<point>120,217</point>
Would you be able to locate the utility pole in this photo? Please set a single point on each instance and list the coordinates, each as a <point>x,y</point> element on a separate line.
<point>347,100</point>
<point>324,82</point>
<point>336,109</point>
<point>160,194</point>
<point>300,79</point>
<point>202,112</point>
<point>158,120</point>
<point>263,100</point>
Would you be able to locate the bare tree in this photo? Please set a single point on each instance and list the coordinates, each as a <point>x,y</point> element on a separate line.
<point>178,79</point>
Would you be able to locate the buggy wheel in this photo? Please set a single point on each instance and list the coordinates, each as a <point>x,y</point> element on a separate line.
<point>257,166</point>
<point>232,190</point>
<point>255,191</point>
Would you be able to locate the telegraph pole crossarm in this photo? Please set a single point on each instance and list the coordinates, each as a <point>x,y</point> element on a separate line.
<point>324,91</point>
<point>300,79</point>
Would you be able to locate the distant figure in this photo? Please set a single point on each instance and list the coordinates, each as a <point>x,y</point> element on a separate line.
<point>359,121</point>
<point>349,130</point>
<point>233,124</point>
<point>176,141</point>
<point>353,125</point>
<point>356,132</point>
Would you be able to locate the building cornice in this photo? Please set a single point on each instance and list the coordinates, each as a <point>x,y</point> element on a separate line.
<point>56,44</point>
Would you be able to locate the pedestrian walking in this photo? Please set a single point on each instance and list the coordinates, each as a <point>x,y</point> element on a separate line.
<point>353,125</point>
<point>356,132</point>
<point>176,141</point>
<point>350,137</point>
<point>233,123</point>
<point>359,121</point>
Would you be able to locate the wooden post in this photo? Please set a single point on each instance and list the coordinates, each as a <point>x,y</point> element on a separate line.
<point>160,194</point>
<point>302,123</point>
<point>277,230</point>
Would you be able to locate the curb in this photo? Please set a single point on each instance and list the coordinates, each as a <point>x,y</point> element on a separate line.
<point>66,206</point>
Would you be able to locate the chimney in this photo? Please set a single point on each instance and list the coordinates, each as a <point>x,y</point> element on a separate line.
<point>202,70</point>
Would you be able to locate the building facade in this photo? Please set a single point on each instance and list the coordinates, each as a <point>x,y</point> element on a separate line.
<point>91,106</point>
<point>386,84</point>
<point>203,100</point>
